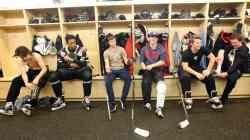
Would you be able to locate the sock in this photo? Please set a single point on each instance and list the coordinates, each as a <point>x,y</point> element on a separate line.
<point>161,92</point>
<point>57,88</point>
<point>87,100</point>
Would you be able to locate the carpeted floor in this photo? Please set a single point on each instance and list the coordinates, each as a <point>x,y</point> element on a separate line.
<point>74,123</point>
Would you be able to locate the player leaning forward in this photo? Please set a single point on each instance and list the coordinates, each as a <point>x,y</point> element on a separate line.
<point>152,59</point>
<point>190,68</point>
<point>33,74</point>
<point>234,59</point>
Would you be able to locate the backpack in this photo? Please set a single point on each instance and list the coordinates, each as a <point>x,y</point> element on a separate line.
<point>46,102</point>
<point>43,45</point>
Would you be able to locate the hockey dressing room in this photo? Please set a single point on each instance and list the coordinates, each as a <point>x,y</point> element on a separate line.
<point>124,70</point>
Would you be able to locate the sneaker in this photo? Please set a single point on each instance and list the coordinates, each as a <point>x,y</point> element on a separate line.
<point>188,101</point>
<point>86,105</point>
<point>148,107</point>
<point>58,104</point>
<point>215,103</point>
<point>122,105</point>
<point>214,100</point>
<point>26,111</point>
<point>216,106</point>
<point>8,109</point>
<point>112,108</point>
<point>188,106</point>
<point>159,113</point>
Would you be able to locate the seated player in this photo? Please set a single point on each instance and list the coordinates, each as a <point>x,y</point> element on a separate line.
<point>115,59</point>
<point>235,60</point>
<point>72,64</point>
<point>190,68</point>
<point>152,60</point>
<point>33,72</point>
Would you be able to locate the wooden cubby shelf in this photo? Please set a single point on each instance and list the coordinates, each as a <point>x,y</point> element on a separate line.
<point>78,14</point>
<point>79,24</point>
<point>188,11</point>
<point>42,16</point>
<point>116,21</point>
<point>227,19</point>
<point>12,18</point>
<point>151,20</point>
<point>44,25</point>
<point>153,9</point>
<point>12,27</point>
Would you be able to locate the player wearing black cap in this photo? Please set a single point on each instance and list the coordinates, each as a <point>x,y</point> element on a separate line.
<point>152,60</point>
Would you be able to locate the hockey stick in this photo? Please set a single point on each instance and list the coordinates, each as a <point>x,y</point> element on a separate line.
<point>109,113</point>
<point>138,131</point>
<point>184,123</point>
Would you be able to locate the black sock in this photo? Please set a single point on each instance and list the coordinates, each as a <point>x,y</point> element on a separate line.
<point>57,89</point>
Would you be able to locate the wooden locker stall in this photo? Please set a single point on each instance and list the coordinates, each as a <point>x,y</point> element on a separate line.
<point>12,28</point>
<point>247,18</point>
<point>115,26</point>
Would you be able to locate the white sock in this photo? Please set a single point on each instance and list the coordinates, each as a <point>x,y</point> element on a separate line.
<point>161,93</point>
<point>87,100</point>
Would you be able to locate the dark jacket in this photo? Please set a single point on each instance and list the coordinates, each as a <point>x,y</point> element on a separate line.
<point>240,60</point>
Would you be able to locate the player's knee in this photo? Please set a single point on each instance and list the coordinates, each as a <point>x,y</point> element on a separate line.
<point>53,77</point>
<point>86,76</point>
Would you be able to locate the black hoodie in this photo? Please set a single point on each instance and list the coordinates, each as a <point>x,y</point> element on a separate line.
<point>240,60</point>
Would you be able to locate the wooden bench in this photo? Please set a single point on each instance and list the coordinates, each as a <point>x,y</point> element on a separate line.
<point>73,89</point>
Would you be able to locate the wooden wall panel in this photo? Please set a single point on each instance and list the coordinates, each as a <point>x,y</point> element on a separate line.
<point>73,89</point>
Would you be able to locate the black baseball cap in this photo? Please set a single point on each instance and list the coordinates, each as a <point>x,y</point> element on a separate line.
<point>153,34</point>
